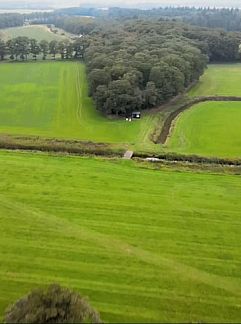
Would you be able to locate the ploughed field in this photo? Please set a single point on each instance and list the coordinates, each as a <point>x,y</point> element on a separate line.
<point>211,128</point>
<point>50,99</point>
<point>208,129</point>
<point>144,245</point>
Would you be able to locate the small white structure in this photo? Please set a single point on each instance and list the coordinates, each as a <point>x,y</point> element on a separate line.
<point>153,159</point>
<point>128,155</point>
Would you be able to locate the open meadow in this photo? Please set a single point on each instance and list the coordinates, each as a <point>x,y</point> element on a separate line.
<point>38,32</point>
<point>50,99</point>
<point>208,129</point>
<point>219,80</point>
<point>144,245</point>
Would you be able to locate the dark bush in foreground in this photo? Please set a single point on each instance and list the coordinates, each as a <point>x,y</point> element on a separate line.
<point>52,305</point>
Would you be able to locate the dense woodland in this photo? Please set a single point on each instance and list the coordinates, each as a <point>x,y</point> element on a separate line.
<point>11,20</point>
<point>227,19</point>
<point>140,64</point>
<point>132,64</point>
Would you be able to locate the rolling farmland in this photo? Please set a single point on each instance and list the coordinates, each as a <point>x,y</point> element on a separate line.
<point>144,245</point>
<point>164,246</point>
<point>51,100</point>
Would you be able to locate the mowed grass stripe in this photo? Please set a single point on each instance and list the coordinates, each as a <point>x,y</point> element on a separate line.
<point>208,129</point>
<point>162,263</point>
<point>119,246</point>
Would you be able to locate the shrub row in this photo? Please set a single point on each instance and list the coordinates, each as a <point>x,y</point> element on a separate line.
<point>54,145</point>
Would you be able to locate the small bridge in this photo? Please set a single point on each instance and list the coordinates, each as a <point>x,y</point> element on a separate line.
<point>128,155</point>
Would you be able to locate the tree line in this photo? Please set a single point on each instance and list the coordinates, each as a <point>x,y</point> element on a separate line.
<point>24,48</point>
<point>228,19</point>
<point>11,20</point>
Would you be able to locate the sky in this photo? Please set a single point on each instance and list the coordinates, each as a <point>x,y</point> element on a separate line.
<point>129,3</point>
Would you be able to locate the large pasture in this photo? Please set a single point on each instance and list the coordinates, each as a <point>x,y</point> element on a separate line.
<point>51,99</point>
<point>219,80</point>
<point>208,129</point>
<point>144,245</point>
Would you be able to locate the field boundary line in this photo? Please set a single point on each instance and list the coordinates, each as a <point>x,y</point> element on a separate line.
<point>83,148</point>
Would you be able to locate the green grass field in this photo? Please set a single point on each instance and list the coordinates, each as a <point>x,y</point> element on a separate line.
<point>211,128</point>
<point>219,79</point>
<point>208,129</point>
<point>39,32</point>
<point>51,99</point>
<point>144,245</point>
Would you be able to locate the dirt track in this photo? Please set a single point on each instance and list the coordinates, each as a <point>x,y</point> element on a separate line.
<point>169,120</point>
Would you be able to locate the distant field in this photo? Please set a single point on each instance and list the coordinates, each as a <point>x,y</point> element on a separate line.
<point>144,245</point>
<point>39,32</point>
<point>23,11</point>
<point>219,79</point>
<point>210,129</point>
<point>51,99</point>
